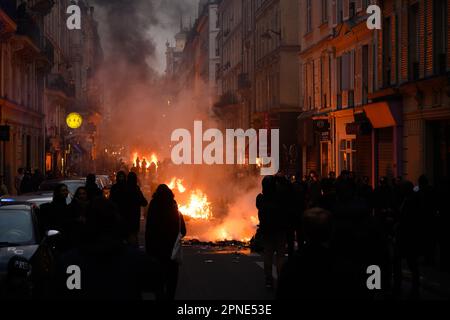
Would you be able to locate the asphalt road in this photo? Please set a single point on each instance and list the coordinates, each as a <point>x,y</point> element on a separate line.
<point>221,273</point>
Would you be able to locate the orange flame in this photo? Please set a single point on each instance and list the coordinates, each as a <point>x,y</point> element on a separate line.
<point>259,162</point>
<point>153,159</point>
<point>177,184</point>
<point>198,206</point>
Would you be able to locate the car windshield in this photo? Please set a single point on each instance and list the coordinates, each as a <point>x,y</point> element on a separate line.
<point>71,185</point>
<point>16,228</point>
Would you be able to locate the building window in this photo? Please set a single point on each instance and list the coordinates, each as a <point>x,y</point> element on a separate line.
<point>413,42</point>
<point>352,9</point>
<point>340,11</point>
<point>322,83</point>
<point>347,154</point>
<point>440,36</point>
<point>387,52</point>
<point>345,72</point>
<point>308,16</point>
<point>324,11</point>
<point>351,99</point>
<point>365,74</point>
<point>339,82</point>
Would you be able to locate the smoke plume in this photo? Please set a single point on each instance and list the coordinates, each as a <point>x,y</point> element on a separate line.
<point>134,35</point>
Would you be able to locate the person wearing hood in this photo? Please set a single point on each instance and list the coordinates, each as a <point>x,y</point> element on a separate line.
<point>132,215</point>
<point>164,223</point>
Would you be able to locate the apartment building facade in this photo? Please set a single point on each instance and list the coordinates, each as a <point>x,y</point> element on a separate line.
<point>375,102</point>
<point>277,81</point>
<point>24,63</point>
<point>229,107</point>
<point>413,69</point>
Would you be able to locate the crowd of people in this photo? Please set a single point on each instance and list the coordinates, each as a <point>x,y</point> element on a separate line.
<point>101,237</point>
<point>336,227</point>
<point>26,181</point>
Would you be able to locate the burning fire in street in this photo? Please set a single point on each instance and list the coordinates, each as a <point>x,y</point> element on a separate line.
<point>239,223</point>
<point>198,206</point>
<point>138,160</point>
<point>177,184</point>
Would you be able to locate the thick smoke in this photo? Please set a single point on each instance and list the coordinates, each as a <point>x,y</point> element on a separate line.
<point>131,32</point>
<point>137,30</point>
<point>134,35</point>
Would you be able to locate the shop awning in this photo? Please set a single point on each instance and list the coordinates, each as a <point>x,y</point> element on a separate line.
<point>307,115</point>
<point>381,115</point>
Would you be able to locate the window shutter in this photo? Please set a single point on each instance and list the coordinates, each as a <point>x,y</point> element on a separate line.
<point>352,70</point>
<point>334,12</point>
<point>370,67</point>
<point>346,10</point>
<point>358,76</point>
<point>359,5</point>
<point>345,72</point>
<point>326,81</point>
<point>339,74</point>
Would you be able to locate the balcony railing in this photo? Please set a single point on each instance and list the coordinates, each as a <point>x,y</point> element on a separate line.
<point>56,82</point>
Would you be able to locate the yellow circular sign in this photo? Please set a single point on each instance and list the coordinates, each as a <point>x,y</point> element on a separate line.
<point>74,120</point>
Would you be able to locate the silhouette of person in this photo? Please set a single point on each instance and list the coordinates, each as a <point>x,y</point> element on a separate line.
<point>164,223</point>
<point>110,269</point>
<point>132,215</point>
<point>273,227</point>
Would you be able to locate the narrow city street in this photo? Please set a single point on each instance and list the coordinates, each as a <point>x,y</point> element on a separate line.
<point>222,274</point>
<point>169,150</point>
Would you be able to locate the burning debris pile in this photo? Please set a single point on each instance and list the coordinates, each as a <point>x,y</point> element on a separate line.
<point>233,224</point>
<point>211,214</point>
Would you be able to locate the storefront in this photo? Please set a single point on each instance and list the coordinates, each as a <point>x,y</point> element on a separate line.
<point>315,141</point>
<point>368,140</point>
<point>427,138</point>
<point>322,135</point>
<point>344,140</point>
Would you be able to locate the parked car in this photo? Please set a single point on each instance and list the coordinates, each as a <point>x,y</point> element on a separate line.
<point>27,257</point>
<point>37,198</point>
<point>45,193</point>
<point>72,184</point>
